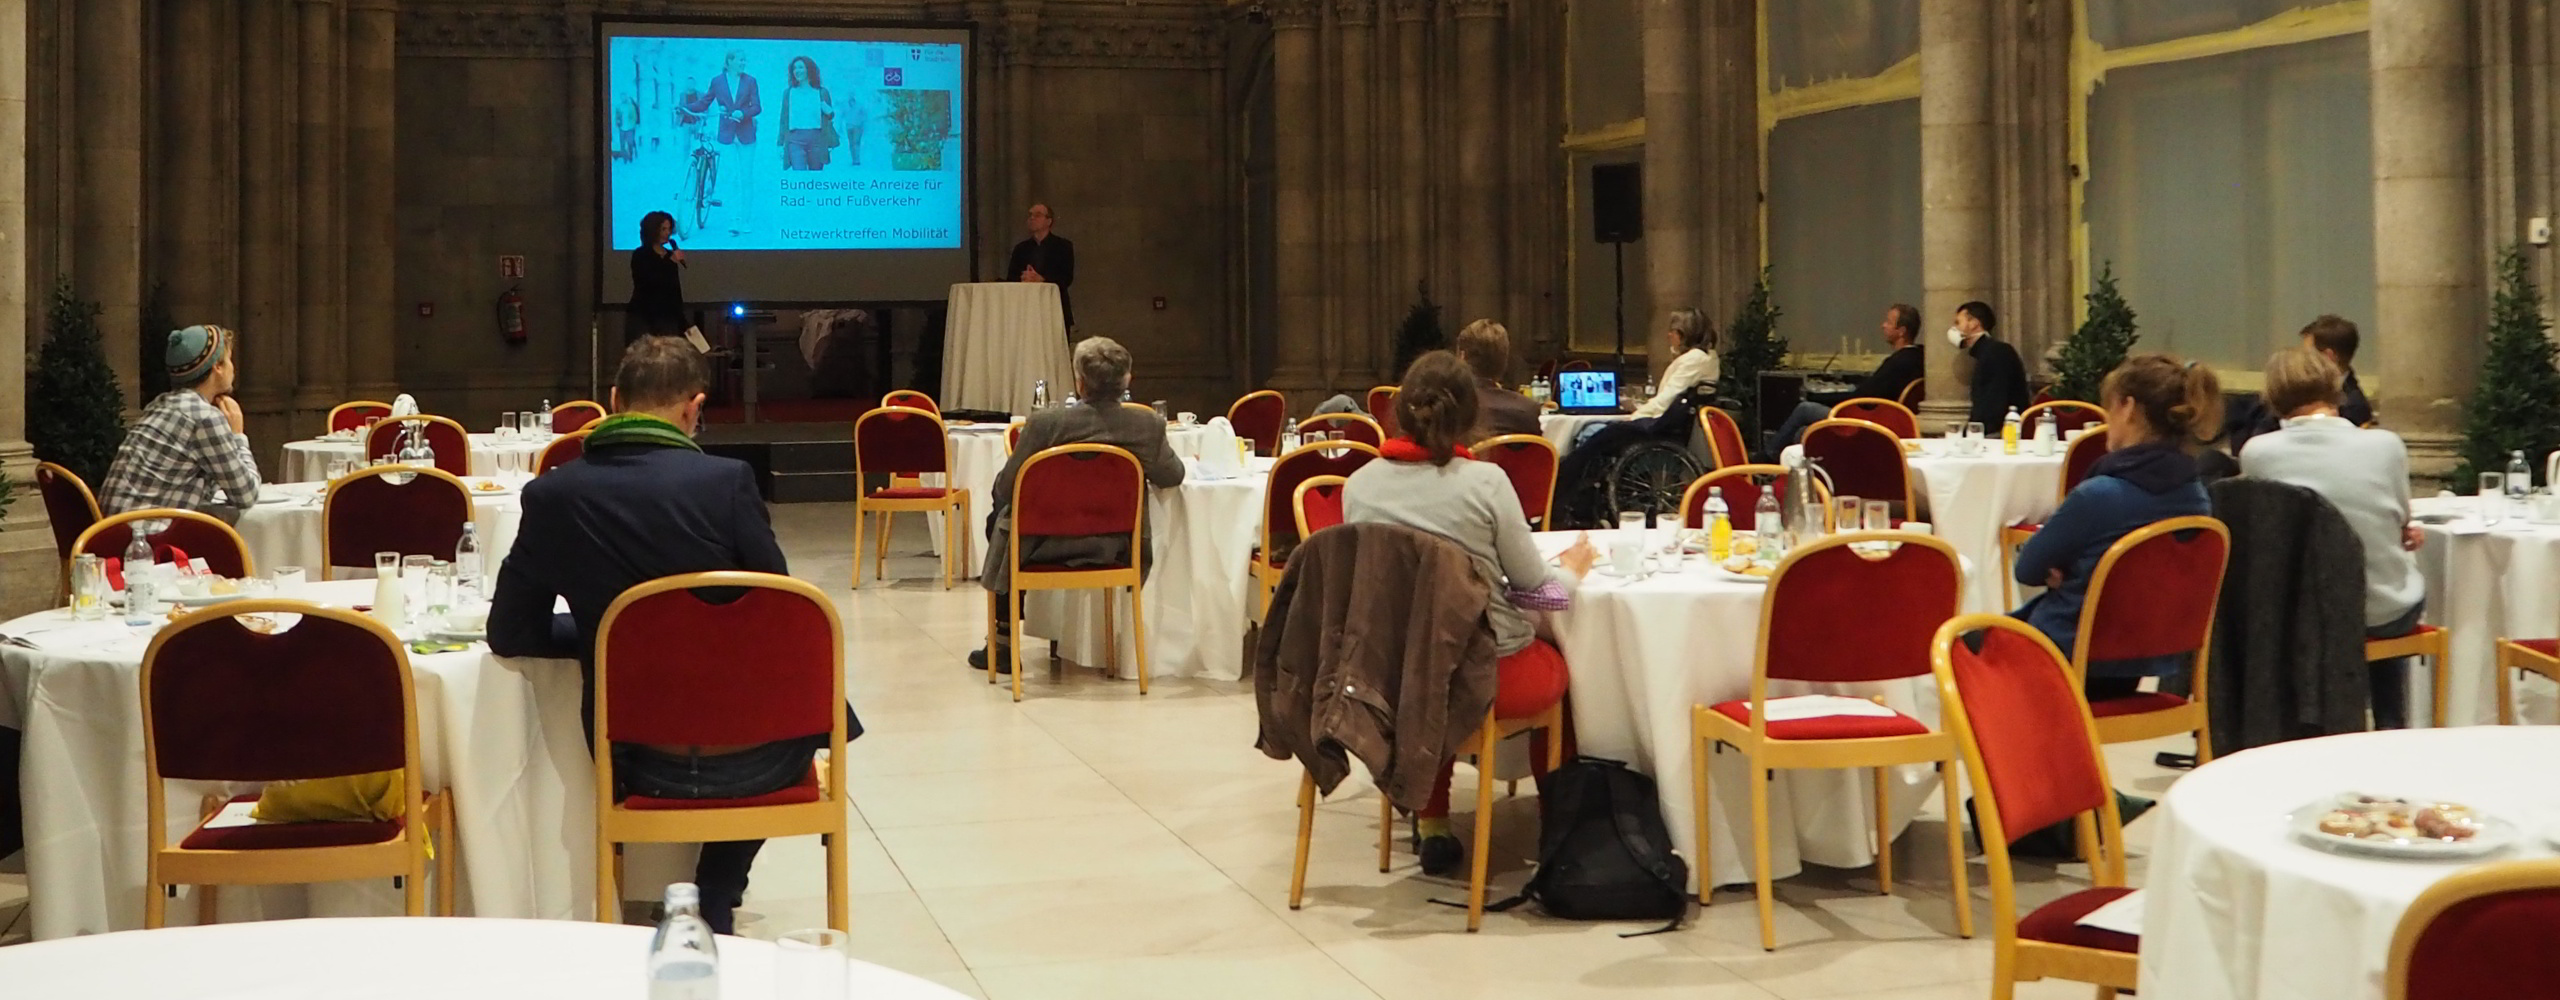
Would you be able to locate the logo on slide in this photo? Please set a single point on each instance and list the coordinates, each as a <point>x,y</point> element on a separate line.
<point>893,77</point>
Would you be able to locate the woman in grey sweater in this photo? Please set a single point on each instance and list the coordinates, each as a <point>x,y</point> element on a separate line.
<point>1428,480</point>
<point>2365,474</point>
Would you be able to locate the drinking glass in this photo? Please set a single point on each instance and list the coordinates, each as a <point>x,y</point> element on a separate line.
<point>413,578</point>
<point>1164,410</point>
<point>507,423</point>
<point>534,424</point>
<point>88,587</point>
<point>1879,515</point>
<point>2493,497</point>
<point>1631,531</point>
<point>1844,514</point>
<point>1973,440</point>
<point>809,965</point>
<point>289,578</point>
<point>1244,451</point>
<point>339,467</point>
<point>441,589</point>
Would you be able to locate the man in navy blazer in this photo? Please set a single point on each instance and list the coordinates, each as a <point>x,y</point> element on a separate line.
<point>739,101</point>
<point>643,503</point>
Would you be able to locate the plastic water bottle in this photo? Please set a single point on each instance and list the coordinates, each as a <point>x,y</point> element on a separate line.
<point>141,591</point>
<point>1039,394</point>
<point>1289,437</point>
<point>2009,427</point>
<point>1765,524</point>
<point>684,960</point>
<point>1648,388</point>
<point>2519,476</point>
<point>467,563</point>
<point>1719,525</point>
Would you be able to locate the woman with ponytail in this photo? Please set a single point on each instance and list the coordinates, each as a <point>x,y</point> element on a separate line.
<point>2159,410</point>
<point>1430,481</point>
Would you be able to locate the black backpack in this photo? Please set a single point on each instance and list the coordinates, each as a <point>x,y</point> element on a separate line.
<point>1603,852</point>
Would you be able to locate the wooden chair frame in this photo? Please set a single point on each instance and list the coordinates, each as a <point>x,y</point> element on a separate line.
<point>2014,537</point>
<point>1266,577</point>
<point>579,404</point>
<point>1707,418</point>
<point>1877,401</point>
<point>1309,485</point>
<point>2496,878</point>
<point>1481,746</point>
<point>424,419</point>
<point>953,504</point>
<point>897,398</point>
<point>2513,656</point>
<point>2435,642</point>
<point>64,473</point>
<point>825,817</point>
<point>248,563</point>
<point>1913,388</point>
<point>332,424</point>
<point>1106,580</point>
<point>1689,498</point>
<point>402,859</point>
<point>1546,507</point>
<point>2187,718</point>
<point>2100,833</point>
<point>1905,498</point>
<point>329,504</point>
<point>1322,421</point>
<point>1271,447</point>
<point>1709,728</point>
<point>2027,418</point>
<point>577,439</point>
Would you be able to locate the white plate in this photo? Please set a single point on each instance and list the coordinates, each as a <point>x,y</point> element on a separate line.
<point>452,635</point>
<point>1730,576</point>
<point>197,602</point>
<point>2495,835</point>
<point>473,486</point>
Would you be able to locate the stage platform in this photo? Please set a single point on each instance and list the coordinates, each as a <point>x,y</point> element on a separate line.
<point>794,462</point>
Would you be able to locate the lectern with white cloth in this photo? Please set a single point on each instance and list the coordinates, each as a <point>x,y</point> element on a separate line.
<point>1002,336</point>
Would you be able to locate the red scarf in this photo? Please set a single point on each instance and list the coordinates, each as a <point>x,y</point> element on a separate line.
<point>1403,449</point>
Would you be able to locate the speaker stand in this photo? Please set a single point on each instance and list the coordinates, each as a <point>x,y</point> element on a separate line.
<point>1619,250</point>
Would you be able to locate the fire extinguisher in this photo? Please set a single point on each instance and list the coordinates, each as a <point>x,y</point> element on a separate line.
<point>511,315</point>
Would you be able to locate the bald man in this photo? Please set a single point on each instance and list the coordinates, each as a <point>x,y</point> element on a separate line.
<point>1046,257</point>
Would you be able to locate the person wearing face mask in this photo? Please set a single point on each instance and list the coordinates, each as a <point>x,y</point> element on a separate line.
<point>1999,377</point>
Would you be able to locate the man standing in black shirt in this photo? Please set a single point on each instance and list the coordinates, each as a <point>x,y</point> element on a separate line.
<point>1049,258</point>
<point>1901,368</point>
<point>1999,377</point>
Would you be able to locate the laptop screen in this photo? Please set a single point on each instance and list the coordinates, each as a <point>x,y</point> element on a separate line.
<point>1587,390</point>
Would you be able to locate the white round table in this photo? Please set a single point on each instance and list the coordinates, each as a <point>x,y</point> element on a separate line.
<point>1199,597</point>
<point>395,958</point>
<point>978,452</point>
<point>1642,652</point>
<point>2486,582</point>
<point>1972,498</point>
<point>284,529</point>
<point>307,460</point>
<point>2236,909</point>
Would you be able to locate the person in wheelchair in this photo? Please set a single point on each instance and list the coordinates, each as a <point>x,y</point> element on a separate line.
<point>1644,463</point>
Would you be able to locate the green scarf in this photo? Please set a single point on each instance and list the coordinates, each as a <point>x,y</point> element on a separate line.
<point>638,428</point>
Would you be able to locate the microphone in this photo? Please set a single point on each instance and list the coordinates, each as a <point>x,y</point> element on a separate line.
<point>671,245</point>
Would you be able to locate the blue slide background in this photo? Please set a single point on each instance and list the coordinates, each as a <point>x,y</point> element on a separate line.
<point>893,181</point>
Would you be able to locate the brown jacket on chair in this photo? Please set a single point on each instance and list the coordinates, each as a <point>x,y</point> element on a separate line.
<point>1376,647</point>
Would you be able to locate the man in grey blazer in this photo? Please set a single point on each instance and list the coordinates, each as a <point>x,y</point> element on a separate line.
<point>1102,378</point>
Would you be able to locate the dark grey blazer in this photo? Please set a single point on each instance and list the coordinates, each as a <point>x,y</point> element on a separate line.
<point>2288,654</point>
<point>1136,429</point>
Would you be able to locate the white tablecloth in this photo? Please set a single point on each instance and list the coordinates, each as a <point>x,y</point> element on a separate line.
<point>2236,909</point>
<point>1199,597</point>
<point>502,734</point>
<point>2486,583</point>
<point>1001,336</point>
<point>307,461</point>
<point>1643,653</point>
<point>1972,498</point>
<point>978,453</point>
<point>396,959</point>
<point>284,530</point>
<point>1563,430</point>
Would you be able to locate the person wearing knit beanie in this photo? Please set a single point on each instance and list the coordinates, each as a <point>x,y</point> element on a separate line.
<point>190,450</point>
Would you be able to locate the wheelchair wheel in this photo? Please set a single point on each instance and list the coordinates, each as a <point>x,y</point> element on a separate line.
<point>1652,476</point>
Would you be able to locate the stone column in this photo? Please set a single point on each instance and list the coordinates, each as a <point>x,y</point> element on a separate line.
<point>1021,29</point>
<point>320,241</point>
<point>106,196</point>
<point>2426,203</point>
<point>1296,71</point>
<point>199,134</point>
<point>372,355</point>
<point>1362,323</point>
<point>1479,160</point>
<point>27,576</point>
<point>1956,246</point>
<point>1413,165</point>
<point>267,365</point>
<point>1671,167</point>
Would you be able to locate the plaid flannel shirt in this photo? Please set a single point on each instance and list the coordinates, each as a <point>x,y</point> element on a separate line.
<point>177,455</point>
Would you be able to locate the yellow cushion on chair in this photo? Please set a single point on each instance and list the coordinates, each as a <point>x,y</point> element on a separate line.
<point>354,798</point>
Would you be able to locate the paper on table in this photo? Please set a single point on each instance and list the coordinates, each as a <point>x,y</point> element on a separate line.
<point>1816,706</point>
<point>2124,916</point>
<point>60,634</point>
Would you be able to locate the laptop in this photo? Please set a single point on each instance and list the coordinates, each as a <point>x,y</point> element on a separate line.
<point>1587,391</point>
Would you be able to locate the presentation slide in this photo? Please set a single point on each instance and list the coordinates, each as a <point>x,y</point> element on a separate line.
<point>801,163</point>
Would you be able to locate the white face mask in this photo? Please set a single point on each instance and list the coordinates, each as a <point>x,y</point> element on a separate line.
<point>1955,335</point>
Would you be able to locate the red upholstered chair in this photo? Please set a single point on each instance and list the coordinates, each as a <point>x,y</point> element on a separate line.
<point>669,658</point>
<point>563,450</point>
<point>1077,490</point>
<point>2067,415</point>
<point>1741,484</point>
<point>911,399</point>
<point>1884,413</point>
<point>905,445</point>
<point>1530,461</point>
<point>451,442</point>
<point>1914,394</point>
<point>1381,404</point>
<point>1724,437</point>
<point>199,535</point>
<point>573,416</point>
<point>1012,436</point>
<point>2031,752</point>
<point>1319,504</point>
<point>1863,460</point>
<point>2435,642</point>
<point>68,504</point>
<point>1805,637</point>
<point>327,697</point>
<point>2082,456</point>
<point>1354,427</point>
<point>351,415</point>
<point>369,511</point>
<point>1279,514</point>
<point>2154,595</point>
<point>2480,932</point>
<point>1257,417</point>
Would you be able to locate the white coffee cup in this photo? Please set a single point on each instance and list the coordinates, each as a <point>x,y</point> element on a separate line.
<point>1186,418</point>
<point>1919,527</point>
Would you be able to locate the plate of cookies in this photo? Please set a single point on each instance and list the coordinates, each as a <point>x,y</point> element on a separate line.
<point>2392,826</point>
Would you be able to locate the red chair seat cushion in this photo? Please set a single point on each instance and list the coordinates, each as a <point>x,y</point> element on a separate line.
<point>283,836</point>
<point>2057,922</point>
<point>805,791</point>
<point>1830,727</point>
<point>2029,528</point>
<point>2546,647</point>
<point>910,493</point>
<point>2148,701</point>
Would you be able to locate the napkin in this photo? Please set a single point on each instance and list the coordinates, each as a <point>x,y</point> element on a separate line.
<point>405,406</point>
<point>2124,916</point>
<point>68,634</point>
<point>1218,458</point>
<point>1816,706</point>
